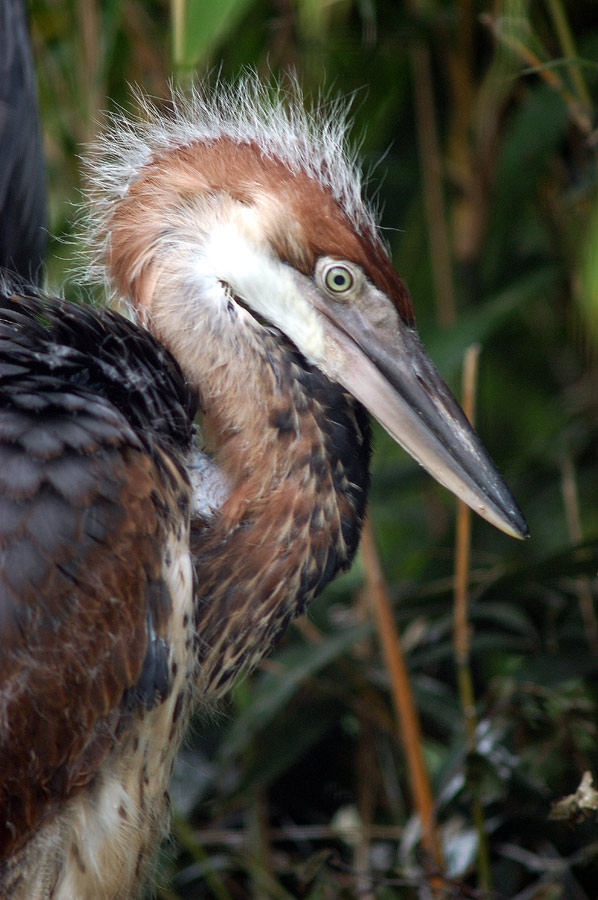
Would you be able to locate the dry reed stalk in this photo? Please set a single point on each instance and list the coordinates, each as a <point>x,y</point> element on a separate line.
<point>461,627</point>
<point>404,705</point>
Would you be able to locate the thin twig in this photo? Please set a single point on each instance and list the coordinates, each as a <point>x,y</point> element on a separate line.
<point>402,698</point>
<point>260,857</point>
<point>576,109</point>
<point>89,27</point>
<point>365,805</point>
<point>463,541</point>
<point>238,838</point>
<point>561,26</point>
<point>440,252</point>
<point>584,591</point>
<point>177,28</point>
<point>462,630</point>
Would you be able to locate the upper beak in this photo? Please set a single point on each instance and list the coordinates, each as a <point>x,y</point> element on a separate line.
<point>386,368</point>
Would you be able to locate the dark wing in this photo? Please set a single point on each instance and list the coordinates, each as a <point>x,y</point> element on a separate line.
<point>22,168</point>
<point>85,508</point>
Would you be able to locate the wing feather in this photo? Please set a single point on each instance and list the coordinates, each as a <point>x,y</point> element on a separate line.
<point>75,581</point>
<point>86,506</point>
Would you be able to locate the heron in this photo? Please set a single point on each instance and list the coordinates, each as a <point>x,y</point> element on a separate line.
<point>148,560</point>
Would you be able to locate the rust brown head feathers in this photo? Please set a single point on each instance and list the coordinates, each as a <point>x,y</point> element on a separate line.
<point>255,146</point>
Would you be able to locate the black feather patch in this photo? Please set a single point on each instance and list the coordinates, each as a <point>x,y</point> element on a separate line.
<point>154,683</point>
<point>53,352</point>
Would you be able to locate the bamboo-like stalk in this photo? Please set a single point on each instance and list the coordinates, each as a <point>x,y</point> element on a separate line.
<point>365,805</point>
<point>178,11</point>
<point>584,590</point>
<point>260,857</point>
<point>440,252</point>
<point>89,62</point>
<point>561,26</point>
<point>468,206</point>
<point>461,631</point>
<point>402,699</point>
<point>461,626</point>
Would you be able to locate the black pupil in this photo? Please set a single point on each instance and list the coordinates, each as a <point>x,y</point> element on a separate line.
<point>340,280</point>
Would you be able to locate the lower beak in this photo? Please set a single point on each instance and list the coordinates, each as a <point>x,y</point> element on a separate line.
<point>394,378</point>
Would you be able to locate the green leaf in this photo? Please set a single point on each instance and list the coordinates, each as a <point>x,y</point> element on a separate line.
<point>199,26</point>
<point>446,347</point>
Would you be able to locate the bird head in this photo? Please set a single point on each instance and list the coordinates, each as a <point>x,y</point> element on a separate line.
<point>238,212</point>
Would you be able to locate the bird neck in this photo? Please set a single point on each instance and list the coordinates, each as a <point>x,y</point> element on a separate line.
<point>294,450</point>
<point>289,445</point>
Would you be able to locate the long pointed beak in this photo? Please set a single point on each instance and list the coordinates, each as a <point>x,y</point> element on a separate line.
<point>388,370</point>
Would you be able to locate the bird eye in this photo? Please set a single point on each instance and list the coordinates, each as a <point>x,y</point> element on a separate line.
<point>338,279</point>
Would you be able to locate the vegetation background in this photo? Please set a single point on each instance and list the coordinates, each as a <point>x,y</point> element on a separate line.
<point>476,119</point>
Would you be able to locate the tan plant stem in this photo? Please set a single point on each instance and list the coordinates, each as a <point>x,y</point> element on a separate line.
<point>584,588</point>
<point>576,109</point>
<point>461,626</point>
<point>561,26</point>
<point>440,252</point>
<point>402,699</point>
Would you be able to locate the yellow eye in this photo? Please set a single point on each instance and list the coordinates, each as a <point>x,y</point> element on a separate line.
<point>338,279</point>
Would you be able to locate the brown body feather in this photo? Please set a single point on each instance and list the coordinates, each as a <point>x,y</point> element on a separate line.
<point>108,636</point>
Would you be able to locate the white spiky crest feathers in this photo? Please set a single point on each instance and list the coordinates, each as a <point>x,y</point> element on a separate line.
<point>312,140</point>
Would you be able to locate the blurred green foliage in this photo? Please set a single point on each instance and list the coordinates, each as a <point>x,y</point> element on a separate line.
<point>476,119</point>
